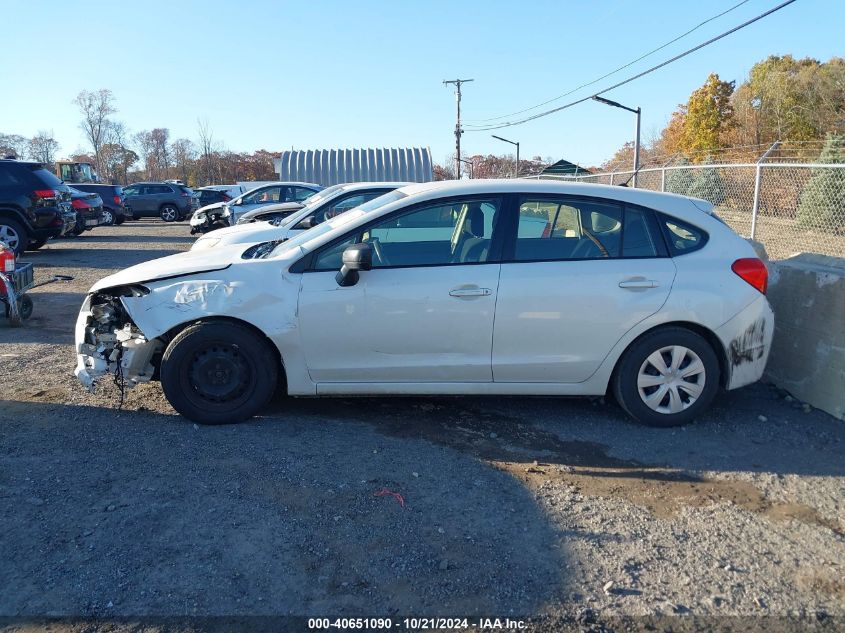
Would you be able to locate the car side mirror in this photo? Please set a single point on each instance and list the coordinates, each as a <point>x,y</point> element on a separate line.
<point>306,223</point>
<point>355,258</point>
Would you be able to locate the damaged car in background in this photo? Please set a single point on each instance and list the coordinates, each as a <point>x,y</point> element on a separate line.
<point>276,222</point>
<point>466,287</point>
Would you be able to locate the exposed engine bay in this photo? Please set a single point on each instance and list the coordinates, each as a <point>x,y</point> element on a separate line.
<point>113,344</point>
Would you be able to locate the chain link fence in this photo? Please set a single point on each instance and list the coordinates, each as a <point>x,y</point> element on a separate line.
<point>789,207</point>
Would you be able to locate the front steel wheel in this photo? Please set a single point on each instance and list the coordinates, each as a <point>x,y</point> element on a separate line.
<point>218,372</point>
<point>667,377</point>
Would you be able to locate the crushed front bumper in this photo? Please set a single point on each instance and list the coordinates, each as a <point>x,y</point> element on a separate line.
<point>111,348</point>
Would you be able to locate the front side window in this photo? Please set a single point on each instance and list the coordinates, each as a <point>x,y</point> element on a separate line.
<point>300,194</point>
<point>271,194</point>
<point>436,235</point>
<point>560,230</point>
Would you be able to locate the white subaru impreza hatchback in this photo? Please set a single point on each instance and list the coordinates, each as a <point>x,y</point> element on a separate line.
<point>525,287</point>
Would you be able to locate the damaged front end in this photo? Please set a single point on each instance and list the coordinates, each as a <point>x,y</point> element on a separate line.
<point>109,343</point>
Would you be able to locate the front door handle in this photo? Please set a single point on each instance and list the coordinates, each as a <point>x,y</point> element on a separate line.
<point>470,292</point>
<point>638,283</point>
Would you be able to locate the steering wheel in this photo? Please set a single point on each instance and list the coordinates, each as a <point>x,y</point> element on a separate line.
<point>379,251</point>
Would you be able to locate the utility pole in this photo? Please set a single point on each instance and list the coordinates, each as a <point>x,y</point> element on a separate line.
<point>458,130</point>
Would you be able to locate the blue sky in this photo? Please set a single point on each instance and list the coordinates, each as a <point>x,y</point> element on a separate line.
<point>331,74</point>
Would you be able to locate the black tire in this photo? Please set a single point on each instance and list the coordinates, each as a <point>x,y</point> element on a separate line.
<point>679,388</point>
<point>119,219</point>
<point>34,246</point>
<point>168,213</point>
<point>14,235</point>
<point>136,217</point>
<point>108,217</point>
<point>245,368</point>
<point>78,228</point>
<point>25,307</point>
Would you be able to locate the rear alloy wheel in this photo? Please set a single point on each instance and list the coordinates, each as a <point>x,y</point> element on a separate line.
<point>667,378</point>
<point>13,235</point>
<point>169,213</point>
<point>107,217</point>
<point>218,373</point>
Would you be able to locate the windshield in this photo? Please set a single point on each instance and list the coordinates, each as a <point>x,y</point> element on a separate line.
<point>340,220</point>
<point>321,196</point>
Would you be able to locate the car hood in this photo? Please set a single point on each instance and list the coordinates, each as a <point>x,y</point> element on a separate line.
<point>270,208</point>
<point>187,263</point>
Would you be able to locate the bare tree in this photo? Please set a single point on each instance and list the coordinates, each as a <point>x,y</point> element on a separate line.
<point>207,150</point>
<point>43,147</point>
<point>184,152</point>
<point>146,152</point>
<point>161,150</point>
<point>116,157</point>
<point>96,107</point>
<point>13,145</point>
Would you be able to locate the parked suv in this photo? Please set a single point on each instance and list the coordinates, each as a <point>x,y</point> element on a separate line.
<point>165,200</point>
<point>114,211</point>
<point>34,205</point>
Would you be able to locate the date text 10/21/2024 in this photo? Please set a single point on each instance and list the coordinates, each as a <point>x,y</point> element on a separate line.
<point>416,624</point>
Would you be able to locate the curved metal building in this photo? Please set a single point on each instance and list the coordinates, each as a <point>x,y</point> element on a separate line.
<point>334,166</point>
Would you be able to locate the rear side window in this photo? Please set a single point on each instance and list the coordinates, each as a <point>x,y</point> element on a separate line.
<point>681,237</point>
<point>640,237</point>
<point>550,230</point>
<point>8,179</point>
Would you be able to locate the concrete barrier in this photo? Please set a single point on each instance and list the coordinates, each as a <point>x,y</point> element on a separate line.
<point>807,293</point>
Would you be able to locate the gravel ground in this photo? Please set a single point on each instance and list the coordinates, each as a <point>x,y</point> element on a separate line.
<point>513,507</point>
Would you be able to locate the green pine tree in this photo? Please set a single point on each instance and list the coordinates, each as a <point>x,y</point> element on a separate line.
<point>679,180</point>
<point>708,184</point>
<point>822,203</point>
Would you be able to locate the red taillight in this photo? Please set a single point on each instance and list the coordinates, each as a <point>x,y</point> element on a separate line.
<point>752,271</point>
<point>118,201</point>
<point>46,194</point>
<point>80,204</point>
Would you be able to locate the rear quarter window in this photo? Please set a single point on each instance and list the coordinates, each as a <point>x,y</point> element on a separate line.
<point>681,237</point>
<point>47,178</point>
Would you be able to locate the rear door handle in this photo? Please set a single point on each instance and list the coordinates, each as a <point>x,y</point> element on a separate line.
<point>639,283</point>
<point>470,292</point>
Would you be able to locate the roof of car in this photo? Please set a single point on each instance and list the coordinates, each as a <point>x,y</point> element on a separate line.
<point>352,186</point>
<point>514,185</point>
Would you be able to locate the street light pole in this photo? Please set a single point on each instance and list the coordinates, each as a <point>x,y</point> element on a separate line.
<point>458,130</point>
<point>516,169</point>
<point>638,112</point>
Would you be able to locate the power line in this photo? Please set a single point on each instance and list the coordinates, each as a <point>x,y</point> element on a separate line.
<point>613,72</point>
<point>499,126</point>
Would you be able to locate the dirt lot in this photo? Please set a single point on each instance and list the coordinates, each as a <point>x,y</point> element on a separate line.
<point>512,506</point>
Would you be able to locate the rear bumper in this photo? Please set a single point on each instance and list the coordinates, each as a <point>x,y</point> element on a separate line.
<point>747,339</point>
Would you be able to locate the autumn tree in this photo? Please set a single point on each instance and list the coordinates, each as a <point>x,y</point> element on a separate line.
<point>95,107</point>
<point>709,115</point>
<point>43,147</point>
